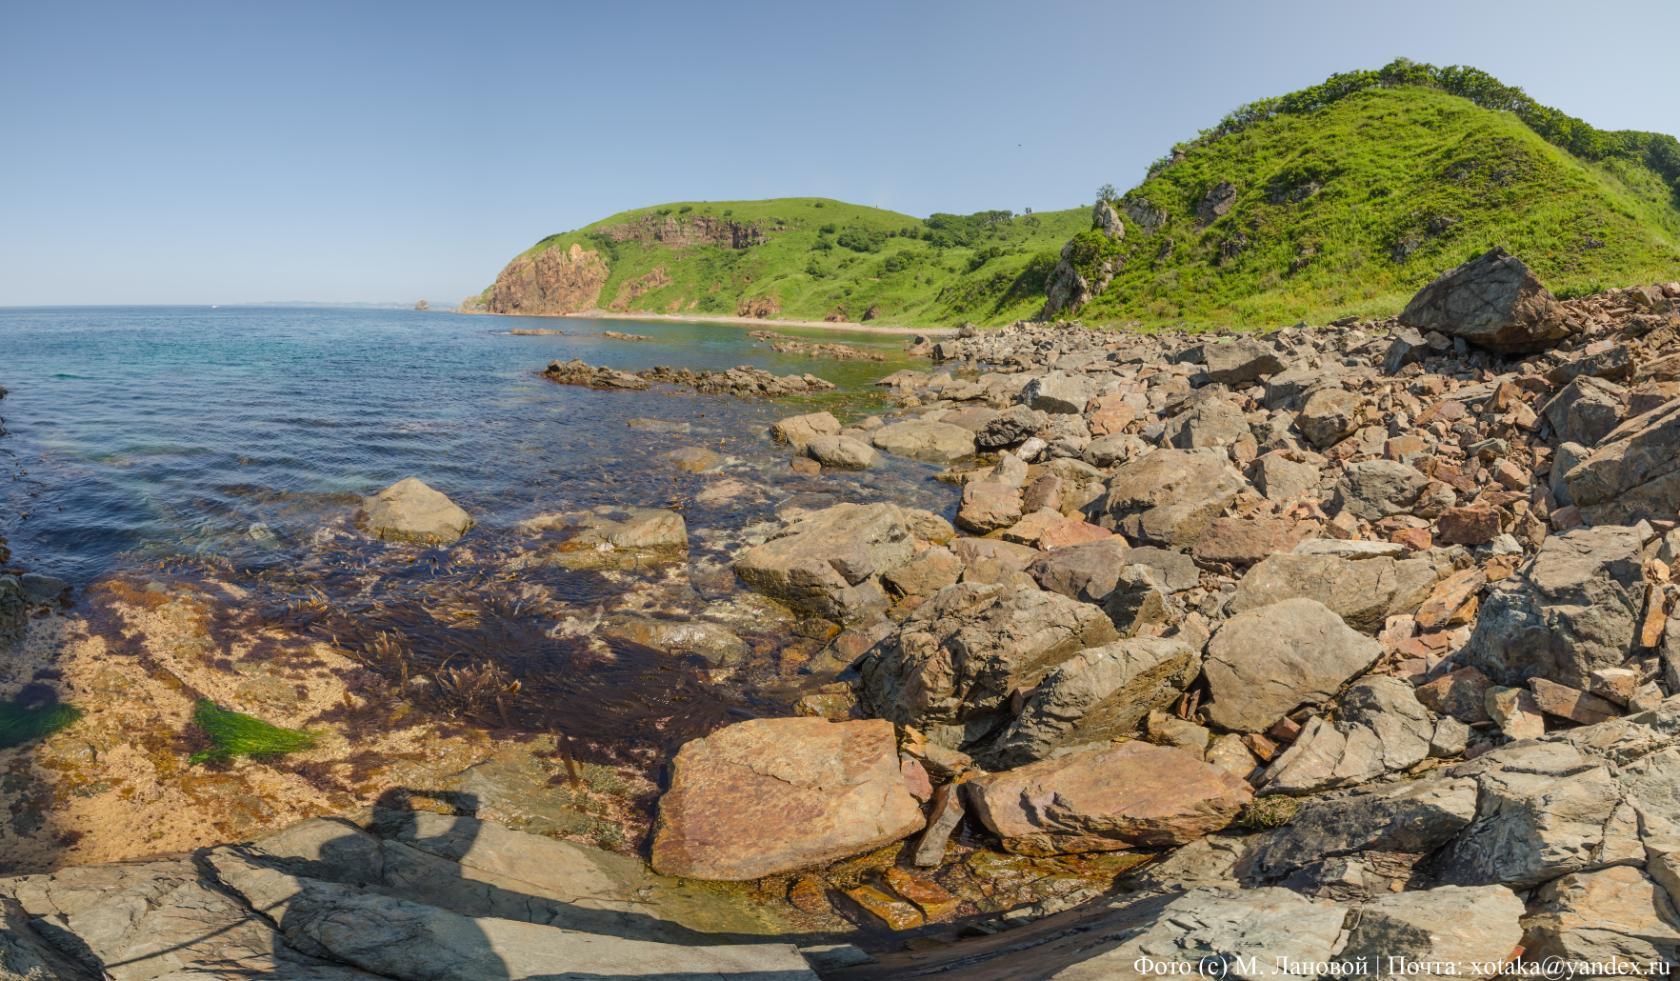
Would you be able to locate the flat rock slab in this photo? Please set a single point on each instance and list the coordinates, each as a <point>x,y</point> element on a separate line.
<point>774,795</point>
<point>1105,798</point>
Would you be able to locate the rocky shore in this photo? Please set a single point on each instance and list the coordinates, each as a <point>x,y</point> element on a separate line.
<point>1335,646</point>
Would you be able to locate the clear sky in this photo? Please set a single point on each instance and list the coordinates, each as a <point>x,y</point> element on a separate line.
<point>230,151</point>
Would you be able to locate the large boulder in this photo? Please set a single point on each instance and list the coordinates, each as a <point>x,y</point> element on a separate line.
<point>828,562</point>
<point>1634,472</point>
<point>953,666</point>
<point>1206,422</point>
<point>1329,416</point>
<point>1492,301</point>
<point>14,611</point>
<point>1097,695</point>
<point>1238,362</point>
<point>1575,608</point>
<point>1107,797</point>
<point>841,452</point>
<point>934,442</point>
<point>1058,392</point>
<point>1168,496</point>
<point>1456,931</point>
<point>1586,410</point>
<point>1264,662</point>
<point>1364,591</point>
<point>1412,817</point>
<point>1610,917</point>
<point>799,431</point>
<point>411,511</point>
<point>769,796</point>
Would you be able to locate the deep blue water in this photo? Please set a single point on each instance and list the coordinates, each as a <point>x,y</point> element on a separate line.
<point>138,433</point>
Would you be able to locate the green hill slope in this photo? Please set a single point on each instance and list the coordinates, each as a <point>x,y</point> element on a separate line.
<point>795,258</point>
<point>1342,199</point>
<point>1346,198</point>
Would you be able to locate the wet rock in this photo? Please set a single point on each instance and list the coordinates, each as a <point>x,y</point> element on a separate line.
<point>1576,608</point>
<point>799,431</point>
<point>935,442</point>
<point>895,913</point>
<point>1107,797</point>
<point>810,791</point>
<point>1492,301</point>
<point>575,372</point>
<point>1265,661</point>
<point>717,644</point>
<point>943,817</point>
<point>613,538</point>
<point>43,590</point>
<point>742,381</point>
<point>694,459</point>
<point>952,667</point>
<point>411,511</point>
<point>827,562</point>
<point>14,611</point>
<point>841,452</point>
<point>1096,695</point>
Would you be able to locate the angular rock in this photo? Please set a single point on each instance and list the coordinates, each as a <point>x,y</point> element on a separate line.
<point>1492,301</point>
<point>1454,930</point>
<point>952,667</point>
<point>1238,362</point>
<point>1634,472</point>
<point>1375,489</point>
<point>1364,592</point>
<point>824,562</point>
<point>1058,392</point>
<point>810,791</point>
<point>841,452</point>
<point>1169,497</point>
<point>1264,662</point>
<point>1585,411</point>
<point>1381,728</point>
<point>1329,416</point>
<point>1107,797</point>
<point>988,505</point>
<point>799,431</point>
<point>1616,915</point>
<point>1098,694</point>
<point>1576,608</point>
<point>1206,422</point>
<point>1417,817</point>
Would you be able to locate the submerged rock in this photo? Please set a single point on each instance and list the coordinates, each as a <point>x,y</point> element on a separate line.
<point>411,511</point>
<point>775,795</point>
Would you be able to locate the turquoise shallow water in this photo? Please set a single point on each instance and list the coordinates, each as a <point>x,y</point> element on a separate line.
<point>138,433</point>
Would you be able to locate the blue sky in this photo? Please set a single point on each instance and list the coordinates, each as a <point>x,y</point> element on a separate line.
<point>226,152</point>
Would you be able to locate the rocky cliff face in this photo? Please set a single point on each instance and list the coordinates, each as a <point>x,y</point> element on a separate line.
<point>551,282</point>
<point>681,232</point>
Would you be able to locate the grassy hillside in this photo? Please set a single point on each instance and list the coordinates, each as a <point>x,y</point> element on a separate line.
<point>1347,204</point>
<point>822,258</point>
<point>1341,199</point>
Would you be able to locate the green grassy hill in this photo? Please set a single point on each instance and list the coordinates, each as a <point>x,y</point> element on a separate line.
<point>1342,199</point>
<point>795,258</point>
<point>1350,196</point>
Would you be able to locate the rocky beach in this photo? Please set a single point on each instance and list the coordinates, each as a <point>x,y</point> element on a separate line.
<point>1337,645</point>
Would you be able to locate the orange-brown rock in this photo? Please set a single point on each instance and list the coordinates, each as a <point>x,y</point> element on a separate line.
<point>773,795</point>
<point>553,281</point>
<point>1105,798</point>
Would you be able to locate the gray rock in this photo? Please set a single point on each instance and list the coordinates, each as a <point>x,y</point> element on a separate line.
<point>826,562</point>
<point>43,590</point>
<point>1376,489</point>
<point>1087,572</point>
<point>1564,459</point>
<point>1492,301</point>
<point>1574,609</point>
<point>953,665</point>
<point>934,442</point>
<point>1586,410</point>
<point>718,644</point>
<point>1168,497</point>
<point>1011,427</point>
<point>1416,817</point>
<point>799,431</point>
<point>1282,479</point>
<point>14,611</point>
<point>1207,422</point>
<point>1264,662</point>
<point>841,452</point>
<point>1634,472</point>
<point>409,510</point>
<point>1329,416</point>
<point>1238,362</point>
<point>1364,592</point>
<point>1381,728</point>
<point>1456,930</point>
<point>1615,915</point>
<point>1097,695</point>
<point>1058,392</point>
